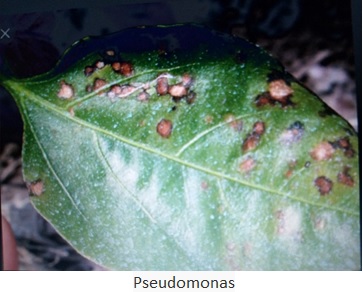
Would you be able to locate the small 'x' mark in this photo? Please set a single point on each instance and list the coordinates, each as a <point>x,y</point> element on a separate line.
<point>5,33</point>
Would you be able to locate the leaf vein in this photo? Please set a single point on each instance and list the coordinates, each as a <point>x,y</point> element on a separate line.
<point>103,157</point>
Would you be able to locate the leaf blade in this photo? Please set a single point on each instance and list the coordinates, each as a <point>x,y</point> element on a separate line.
<point>198,196</point>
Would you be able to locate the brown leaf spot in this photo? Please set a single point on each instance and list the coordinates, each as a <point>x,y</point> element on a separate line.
<point>291,169</point>
<point>324,185</point>
<point>143,96</point>
<point>322,151</point>
<point>36,188</point>
<point>164,128</point>
<point>114,92</point>
<point>98,83</point>
<point>279,90</point>
<point>247,165</point>
<point>88,70</point>
<point>116,66</point>
<point>116,89</point>
<point>345,178</point>
<point>162,85</point>
<point>344,144</point>
<point>187,80</point>
<point>250,142</point>
<point>99,64</point>
<point>258,128</point>
<point>264,99</point>
<point>288,173</point>
<point>349,152</point>
<point>253,138</point>
<point>66,90</point>
<point>126,69</point>
<point>177,91</point>
<point>126,90</point>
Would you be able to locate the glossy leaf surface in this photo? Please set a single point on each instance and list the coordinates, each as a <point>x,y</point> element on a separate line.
<point>174,148</point>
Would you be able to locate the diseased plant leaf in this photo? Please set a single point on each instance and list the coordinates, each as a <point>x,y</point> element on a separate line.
<point>177,148</point>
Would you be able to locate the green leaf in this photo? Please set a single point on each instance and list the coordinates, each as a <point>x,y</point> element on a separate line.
<point>177,148</point>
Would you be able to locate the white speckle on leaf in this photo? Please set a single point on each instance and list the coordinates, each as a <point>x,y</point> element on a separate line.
<point>343,235</point>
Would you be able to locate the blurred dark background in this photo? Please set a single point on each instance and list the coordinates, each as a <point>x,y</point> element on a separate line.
<point>312,39</point>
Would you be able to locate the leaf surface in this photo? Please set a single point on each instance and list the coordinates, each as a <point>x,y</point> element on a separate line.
<point>177,148</point>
